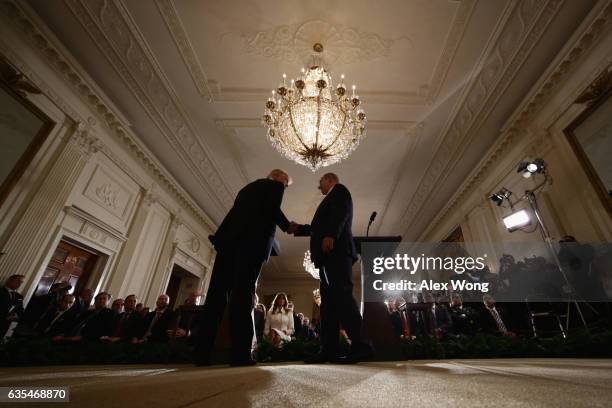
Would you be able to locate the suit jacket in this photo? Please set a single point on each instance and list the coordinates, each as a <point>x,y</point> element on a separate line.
<point>39,305</point>
<point>94,324</point>
<point>127,325</point>
<point>79,306</point>
<point>251,223</point>
<point>159,331</point>
<point>9,304</point>
<point>442,319</point>
<point>62,326</point>
<point>333,218</point>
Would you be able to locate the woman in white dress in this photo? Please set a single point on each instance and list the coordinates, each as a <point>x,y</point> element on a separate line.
<point>279,320</point>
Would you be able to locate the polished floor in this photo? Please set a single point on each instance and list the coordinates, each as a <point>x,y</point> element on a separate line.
<point>423,384</point>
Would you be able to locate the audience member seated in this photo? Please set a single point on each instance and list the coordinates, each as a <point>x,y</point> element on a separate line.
<point>395,317</point>
<point>297,324</point>
<point>464,318</point>
<point>83,301</point>
<point>39,305</point>
<point>11,304</point>
<point>493,318</point>
<point>159,324</point>
<point>193,299</point>
<point>117,306</point>
<point>279,321</point>
<point>308,330</point>
<point>95,324</point>
<point>127,326</point>
<point>187,314</point>
<point>60,321</point>
<point>436,319</point>
<point>140,309</point>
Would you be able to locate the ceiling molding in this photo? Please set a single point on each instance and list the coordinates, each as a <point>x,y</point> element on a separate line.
<point>230,136</point>
<point>416,132</point>
<point>180,38</point>
<point>524,22</point>
<point>530,107</point>
<point>43,43</point>
<point>279,42</point>
<point>111,27</point>
<point>453,39</point>
<point>293,43</point>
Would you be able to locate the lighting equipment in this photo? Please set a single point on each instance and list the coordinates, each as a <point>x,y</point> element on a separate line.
<point>529,168</point>
<point>517,220</point>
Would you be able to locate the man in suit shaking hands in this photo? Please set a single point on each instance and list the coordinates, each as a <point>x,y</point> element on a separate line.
<point>333,251</point>
<point>243,243</point>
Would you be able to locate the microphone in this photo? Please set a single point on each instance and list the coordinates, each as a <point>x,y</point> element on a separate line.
<point>372,217</point>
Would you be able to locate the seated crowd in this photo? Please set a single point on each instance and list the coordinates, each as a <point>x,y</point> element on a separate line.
<point>438,317</point>
<point>63,317</point>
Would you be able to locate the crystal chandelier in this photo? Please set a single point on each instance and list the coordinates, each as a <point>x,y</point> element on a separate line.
<point>310,267</point>
<point>312,123</point>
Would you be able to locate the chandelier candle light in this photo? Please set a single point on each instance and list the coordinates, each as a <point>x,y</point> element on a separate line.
<point>310,124</point>
<point>309,266</point>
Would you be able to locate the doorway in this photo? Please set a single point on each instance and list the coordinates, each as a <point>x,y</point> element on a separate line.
<point>181,283</point>
<point>69,263</point>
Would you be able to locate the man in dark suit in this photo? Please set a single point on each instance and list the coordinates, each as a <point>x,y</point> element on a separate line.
<point>159,323</point>
<point>332,250</point>
<point>83,300</point>
<point>437,320</point>
<point>60,321</point>
<point>11,303</point>
<point>95,324</point>
<point>243,243</point>
<point>41,304</point>
<point>128,326</point>
<point>465,318</point>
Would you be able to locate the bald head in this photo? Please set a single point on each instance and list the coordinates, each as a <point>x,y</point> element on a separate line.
<point>281,176</point>
<point>327,181</point>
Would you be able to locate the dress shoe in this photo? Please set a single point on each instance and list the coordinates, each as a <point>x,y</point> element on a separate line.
<point>363,353</point>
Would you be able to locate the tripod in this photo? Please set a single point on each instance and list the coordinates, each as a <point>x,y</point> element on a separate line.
<point>572,298</point>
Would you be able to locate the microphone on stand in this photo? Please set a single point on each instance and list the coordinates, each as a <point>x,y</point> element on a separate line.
<point>372,217</point>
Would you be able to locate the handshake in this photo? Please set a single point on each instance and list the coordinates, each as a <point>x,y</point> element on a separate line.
<point>327,244</point>
<point>293,227</point>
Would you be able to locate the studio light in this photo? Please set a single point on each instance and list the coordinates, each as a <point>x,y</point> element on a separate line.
<point>528,168</point>
<point>517,220</point>
<point>499,197</point>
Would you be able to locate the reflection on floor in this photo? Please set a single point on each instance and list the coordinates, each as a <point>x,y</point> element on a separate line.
<point>426,384</point>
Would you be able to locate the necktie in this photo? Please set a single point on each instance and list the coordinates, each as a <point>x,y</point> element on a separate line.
<point>500,323</point>
<point>153,321</point>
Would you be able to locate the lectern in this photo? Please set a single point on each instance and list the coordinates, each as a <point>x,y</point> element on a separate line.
<point>377,325</point>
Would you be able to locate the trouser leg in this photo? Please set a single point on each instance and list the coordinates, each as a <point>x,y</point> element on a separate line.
<point>242,299</point>
<point>341,282</point>
<point>330,329</point>
<point>214,306</point>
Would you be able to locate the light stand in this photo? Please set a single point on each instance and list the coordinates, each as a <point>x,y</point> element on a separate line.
<point>531,199</point>
<point>538,166</point>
